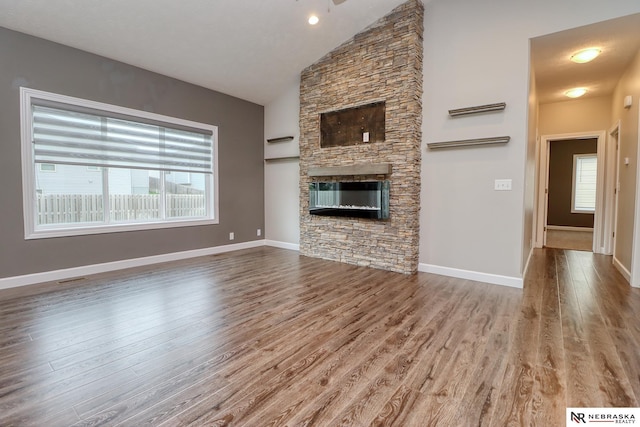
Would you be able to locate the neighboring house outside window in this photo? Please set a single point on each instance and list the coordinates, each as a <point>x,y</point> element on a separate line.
<point>47,167</point>
<point>116,169</point>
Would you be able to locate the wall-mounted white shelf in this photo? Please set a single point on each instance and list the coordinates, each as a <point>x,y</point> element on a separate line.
<point>469,142</point>
<point>357,169</point>
<point>270,159</point>
<point>280,139</point>
<point>477,109</point>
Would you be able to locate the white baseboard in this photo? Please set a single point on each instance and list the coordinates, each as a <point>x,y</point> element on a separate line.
<point>568,228</point>
<point>622,269</point>
<point>494,279</point>
<point>68,273</point>
<point>282,245</point>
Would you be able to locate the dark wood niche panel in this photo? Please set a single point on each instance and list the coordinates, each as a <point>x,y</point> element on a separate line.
<point>348,127</point>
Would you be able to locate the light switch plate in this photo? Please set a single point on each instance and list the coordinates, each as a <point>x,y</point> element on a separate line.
<point>502,185</point>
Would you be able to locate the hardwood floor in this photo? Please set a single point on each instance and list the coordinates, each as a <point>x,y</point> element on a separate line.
<point>265,337</point>
<point>579,240</point>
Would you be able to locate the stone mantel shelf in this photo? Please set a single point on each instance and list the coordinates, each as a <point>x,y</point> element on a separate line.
<point>357,169</point>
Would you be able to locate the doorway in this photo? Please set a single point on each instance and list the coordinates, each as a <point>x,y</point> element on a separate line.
<point>553,74</point>
<point>566,218</point>
<point>571,193</point>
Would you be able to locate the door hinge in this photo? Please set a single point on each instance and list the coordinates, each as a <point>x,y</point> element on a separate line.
<point>546,191</point>
<point>613,234</point>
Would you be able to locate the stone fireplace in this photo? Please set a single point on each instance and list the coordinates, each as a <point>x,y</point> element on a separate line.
<point>380,66</point>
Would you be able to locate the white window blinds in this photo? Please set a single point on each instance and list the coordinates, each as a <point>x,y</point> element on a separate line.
<point>62,136</point>
<point>584,182</point>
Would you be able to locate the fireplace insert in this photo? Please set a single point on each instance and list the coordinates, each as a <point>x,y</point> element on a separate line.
<point>364,199</point>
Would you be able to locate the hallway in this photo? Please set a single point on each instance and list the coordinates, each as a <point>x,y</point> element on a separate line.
<point>588,331</point>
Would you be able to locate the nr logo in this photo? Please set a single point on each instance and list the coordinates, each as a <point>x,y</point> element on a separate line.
<point>577,417</point>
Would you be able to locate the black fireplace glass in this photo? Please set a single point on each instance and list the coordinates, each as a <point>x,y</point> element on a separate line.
<point>359,199</point>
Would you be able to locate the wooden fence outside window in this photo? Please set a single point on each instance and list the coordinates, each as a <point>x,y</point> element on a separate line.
<point>82,208</point>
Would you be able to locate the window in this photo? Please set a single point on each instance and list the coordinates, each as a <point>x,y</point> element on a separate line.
<point>117,169</point>
<point>583,197</point>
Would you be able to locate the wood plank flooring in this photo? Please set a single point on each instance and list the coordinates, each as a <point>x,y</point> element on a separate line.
<point>580,240</point>
<point>266,337</point>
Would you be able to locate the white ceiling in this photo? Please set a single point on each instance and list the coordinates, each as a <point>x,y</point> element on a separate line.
<point>251,49</point>
<point>619,40</point>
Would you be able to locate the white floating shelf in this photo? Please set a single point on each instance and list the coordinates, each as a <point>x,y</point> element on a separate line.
<point>281,139</point>
<point>477,109</point>
<point>469,142</point>
<point>271,159</point>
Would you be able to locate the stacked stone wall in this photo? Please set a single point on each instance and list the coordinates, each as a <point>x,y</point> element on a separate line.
<point>382,63</point>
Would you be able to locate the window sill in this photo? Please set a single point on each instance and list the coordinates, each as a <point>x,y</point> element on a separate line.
<point>573,211</point>
<point>62,231</point>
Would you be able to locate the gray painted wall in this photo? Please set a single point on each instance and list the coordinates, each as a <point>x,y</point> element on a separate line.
<point>40,64</point>
<point>561,182</point>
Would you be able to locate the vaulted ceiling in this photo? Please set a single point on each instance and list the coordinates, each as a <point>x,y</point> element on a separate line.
<point>251,49</point>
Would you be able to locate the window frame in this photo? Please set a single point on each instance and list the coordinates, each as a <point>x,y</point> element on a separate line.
<point>576,158</point>
<point>34,231</point>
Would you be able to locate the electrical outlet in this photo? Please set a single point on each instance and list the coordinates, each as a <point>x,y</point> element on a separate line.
<point>365,137</point>
<point>232,236</point>
<point>259,232</point>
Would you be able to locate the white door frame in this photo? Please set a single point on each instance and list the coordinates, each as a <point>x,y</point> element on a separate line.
<point>540,235</point>
<point>599,241</point>
<point>635,246</point>
<point>612,184</point>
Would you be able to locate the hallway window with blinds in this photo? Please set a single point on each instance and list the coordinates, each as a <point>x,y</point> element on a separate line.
<point>585,168</point>
<point>90,167</point>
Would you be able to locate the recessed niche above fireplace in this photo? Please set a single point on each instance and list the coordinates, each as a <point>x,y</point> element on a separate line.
<point>360,199</point>
<point>364,124</point>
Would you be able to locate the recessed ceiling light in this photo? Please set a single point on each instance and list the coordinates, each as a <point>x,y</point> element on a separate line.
<point>313,20</point>
<point>576,92</point>
<point>585,55</point>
